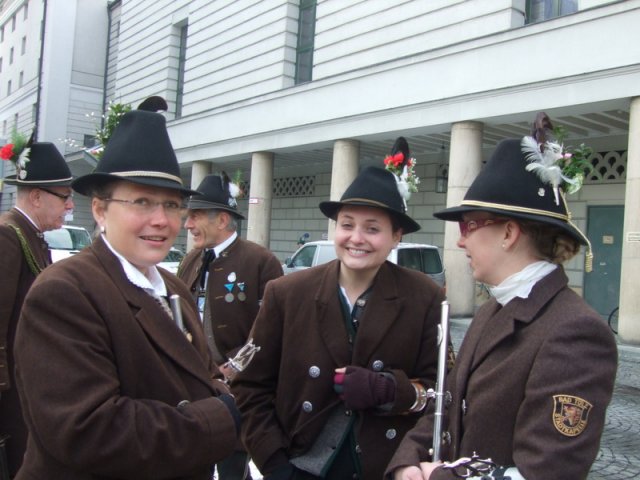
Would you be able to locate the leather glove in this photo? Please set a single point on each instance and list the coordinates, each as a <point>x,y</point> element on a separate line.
<point>360,388</point>
<point>230,403</point>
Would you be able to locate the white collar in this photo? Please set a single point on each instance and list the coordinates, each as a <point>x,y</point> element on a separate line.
<point>220,248</point>
<point>153,283</point>
<point>520,284</point>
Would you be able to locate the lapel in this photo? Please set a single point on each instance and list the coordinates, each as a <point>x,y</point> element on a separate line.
<point>333,332</point>
<point>159,327</point>
<point>385,305</point>
<point>34,238</point>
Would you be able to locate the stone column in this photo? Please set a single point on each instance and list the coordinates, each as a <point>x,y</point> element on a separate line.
<point>261,193</point>
<point>629,313</point>
<point>344,169</point>
<point>199,170</point>
<point>465,162</point>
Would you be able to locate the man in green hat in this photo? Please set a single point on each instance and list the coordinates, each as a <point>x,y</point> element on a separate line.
<point>43,197</point>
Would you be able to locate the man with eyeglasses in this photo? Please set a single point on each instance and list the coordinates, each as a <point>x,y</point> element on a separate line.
<point>227,276</point>
<point>43,198</point>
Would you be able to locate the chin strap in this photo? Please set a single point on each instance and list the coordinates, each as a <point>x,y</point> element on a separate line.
<point>476,468</point>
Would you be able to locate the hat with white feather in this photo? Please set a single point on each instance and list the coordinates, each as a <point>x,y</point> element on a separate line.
<point>217,192</point>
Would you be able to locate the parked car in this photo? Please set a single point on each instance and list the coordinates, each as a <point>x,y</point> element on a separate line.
<point>172,260</point>
<point>66,241</point>
<point>417,256</point>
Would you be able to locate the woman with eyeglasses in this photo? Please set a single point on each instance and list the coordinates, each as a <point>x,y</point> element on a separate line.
<point>536,369</point>
<point>114,374</point>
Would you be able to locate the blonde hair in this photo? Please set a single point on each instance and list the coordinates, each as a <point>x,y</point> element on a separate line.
<point>551,242</point>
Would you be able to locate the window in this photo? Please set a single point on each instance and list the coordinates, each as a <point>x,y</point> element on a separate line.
<point>21,80</point>
<point>2,33</point>
<point>9,87</point>
<point>23,49</point>
<point>0,64</point>
<point>89,141</point>
<point>182,59</point>
<point>13,23</point>
<point>11,56</point>
<point>306,36</point>
<point>26,10</point>
<point>539,10</point>
<point>4,128</point>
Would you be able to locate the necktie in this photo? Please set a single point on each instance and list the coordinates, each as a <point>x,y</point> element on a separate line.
<point>207,257</point>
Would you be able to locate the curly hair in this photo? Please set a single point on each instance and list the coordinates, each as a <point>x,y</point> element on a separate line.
<point>551,242</point>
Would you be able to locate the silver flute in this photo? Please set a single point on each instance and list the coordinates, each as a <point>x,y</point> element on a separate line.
<point>441,396</point>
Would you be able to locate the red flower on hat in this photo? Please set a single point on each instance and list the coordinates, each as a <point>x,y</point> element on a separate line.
<point>394,160</point>
<point>6,152</point>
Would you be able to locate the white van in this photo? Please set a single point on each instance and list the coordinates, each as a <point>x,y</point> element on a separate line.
<point>66,241</point>
<point>417,256</point>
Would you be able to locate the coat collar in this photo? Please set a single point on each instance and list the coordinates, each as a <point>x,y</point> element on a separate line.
<point>384,305</point>
<point>159,327</point>
<point>493,324</point>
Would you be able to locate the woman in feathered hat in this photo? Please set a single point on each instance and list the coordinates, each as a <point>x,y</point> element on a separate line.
<point>348,348</point>
<point>116,381</point>
<point>535,372</point>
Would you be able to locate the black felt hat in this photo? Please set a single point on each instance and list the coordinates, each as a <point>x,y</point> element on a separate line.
<point>374,187</point>
<point>45,167</point>
<point>216,192</point>
<point>139,151</point>
<point>505,187</point>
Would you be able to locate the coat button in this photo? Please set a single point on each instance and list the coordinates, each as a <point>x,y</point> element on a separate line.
<point>314,372</point>
<point>464,406</point>
<point>378,365</point>
<point>307,406</point>
<point>358,449</point>
<point>348,413</point>
<point>391,434</point>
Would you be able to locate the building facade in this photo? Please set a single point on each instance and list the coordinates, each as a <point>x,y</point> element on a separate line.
<point>301,94</point>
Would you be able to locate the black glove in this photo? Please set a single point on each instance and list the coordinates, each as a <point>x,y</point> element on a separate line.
<point>230,403</point>
<point>360,388</point>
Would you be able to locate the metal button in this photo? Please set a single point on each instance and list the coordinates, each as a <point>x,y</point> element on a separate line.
<point>378,365</point>
<point>307,406</point>
<point>347,413</point>
<point>464,406</point>
<point>358,449</point>
<point>314,372</point>
<point>391,433</point>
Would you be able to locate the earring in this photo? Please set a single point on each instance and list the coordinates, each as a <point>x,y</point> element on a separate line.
<point>504,246</point>
<point>102,229</point>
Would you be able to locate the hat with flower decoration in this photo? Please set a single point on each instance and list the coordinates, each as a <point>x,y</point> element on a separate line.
<point>38,164</point>
<point>217,192</point>
<point>139,151</point>
<point>528,178</point>
<point>387,188</point>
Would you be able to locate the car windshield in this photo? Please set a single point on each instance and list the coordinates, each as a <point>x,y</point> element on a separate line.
<point>68,239</point>
<point>174,256</point>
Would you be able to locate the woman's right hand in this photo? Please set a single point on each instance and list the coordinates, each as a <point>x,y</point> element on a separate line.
<point>408,473</point>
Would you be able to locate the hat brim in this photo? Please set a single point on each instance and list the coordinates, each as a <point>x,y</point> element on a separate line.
<point>195,204</point>
<point>454,214</point>
<point>13,180</point>
<point>85,184</point>
<point>408,225</point>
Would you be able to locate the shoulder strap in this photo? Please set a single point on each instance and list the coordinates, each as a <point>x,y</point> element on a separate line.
<point>28,254</point>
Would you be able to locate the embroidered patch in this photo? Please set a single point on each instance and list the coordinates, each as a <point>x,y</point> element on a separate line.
<point>570,414</point>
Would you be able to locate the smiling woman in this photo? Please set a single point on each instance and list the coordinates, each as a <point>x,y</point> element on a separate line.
<point>114,354</point>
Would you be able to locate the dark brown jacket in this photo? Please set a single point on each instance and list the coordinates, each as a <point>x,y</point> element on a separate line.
<point>253,266</point>
<point>512,363</point>
<point>101,369</point>
<point>286,394</point>
<point>15,281</point>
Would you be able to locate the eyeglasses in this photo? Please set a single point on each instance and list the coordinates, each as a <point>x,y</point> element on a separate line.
<point>470,226</point>
<point>144,206</point>
<point>64,197</point>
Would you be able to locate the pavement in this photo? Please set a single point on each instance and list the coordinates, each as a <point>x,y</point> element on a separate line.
<point>619,456</point>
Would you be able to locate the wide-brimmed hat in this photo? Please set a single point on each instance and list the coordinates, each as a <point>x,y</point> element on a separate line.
<point>139,151</point>
<point>38,164</point>
<point>506,187</point>
<point>374,187</point>
<point>216,192</point>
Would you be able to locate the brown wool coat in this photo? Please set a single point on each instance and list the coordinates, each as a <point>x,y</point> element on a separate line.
<point>253,265</point>
<point>284,404</point>
<point>511,364</point>
<point>101,369</point>
<point>15,281</point>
